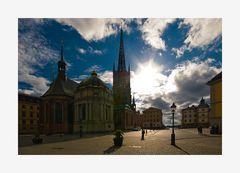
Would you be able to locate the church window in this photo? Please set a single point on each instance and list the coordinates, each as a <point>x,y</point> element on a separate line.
<point>23,114</point>
<point>83,111</point>
<point>58,113</point>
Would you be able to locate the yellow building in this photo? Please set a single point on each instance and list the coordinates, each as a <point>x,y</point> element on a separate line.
<point>216,101</point>
<point>28,114</point>
<point>152,118</point>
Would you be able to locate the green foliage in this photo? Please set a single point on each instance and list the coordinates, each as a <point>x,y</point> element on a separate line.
<point>118,134</point>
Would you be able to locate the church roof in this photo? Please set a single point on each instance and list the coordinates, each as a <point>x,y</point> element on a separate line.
<point>61,87</point>
<point>92,81</point>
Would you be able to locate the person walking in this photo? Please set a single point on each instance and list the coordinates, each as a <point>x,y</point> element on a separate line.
<point>143,132</point>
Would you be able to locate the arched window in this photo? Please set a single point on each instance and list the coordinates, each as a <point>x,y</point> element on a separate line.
<point>58,113</point>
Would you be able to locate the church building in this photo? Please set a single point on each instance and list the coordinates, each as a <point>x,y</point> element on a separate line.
<point>93,103</point>
<point>124,109</point>
<point>57,109</point>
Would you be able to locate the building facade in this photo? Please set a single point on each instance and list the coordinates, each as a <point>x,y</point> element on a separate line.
<point>93,103</point>
<point>189,117</point>
<point>152,118</point>
<point>28,114</point>
<point>124,108</point>
<point>203,112</point>
<point>196,116</point>
<point>57,106</point>
<point>216,101</point>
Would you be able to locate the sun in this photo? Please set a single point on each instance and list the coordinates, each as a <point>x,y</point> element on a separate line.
<point>147,79</point>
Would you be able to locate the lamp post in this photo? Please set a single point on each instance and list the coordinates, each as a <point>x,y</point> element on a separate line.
<point>80,127</point>
<point>173,108</point>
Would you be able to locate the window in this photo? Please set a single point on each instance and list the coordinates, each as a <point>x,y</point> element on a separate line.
<point>83,112</point>
<point>23,114</point>
<point>31,108</point>
<point>31,114</point>
<point>31,122</point>
<point>58,112</point>
<point>23,106</point>
<point>190,121</point>
<point>24,122</point>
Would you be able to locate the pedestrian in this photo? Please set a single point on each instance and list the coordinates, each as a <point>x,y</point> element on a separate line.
<point>142,134</point>
<point>146,131</point>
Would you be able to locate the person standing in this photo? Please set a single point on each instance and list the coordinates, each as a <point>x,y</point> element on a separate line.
<point>143,132</point>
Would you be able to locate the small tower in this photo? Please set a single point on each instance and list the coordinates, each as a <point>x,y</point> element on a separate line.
<point>133,104</point>
<point>62,65</point>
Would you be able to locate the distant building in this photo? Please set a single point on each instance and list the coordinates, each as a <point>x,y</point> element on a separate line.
<point>195,116</point>
<point>124,108</point>
<point>152,118</point>
<point>216,101</point>
<point>203,112</point>
<point>189,117</point>
<point>28,113</point>
<point>93,103</point>
<point>57,107</point>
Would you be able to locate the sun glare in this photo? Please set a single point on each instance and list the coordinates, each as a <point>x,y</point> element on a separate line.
<point>147,79</point>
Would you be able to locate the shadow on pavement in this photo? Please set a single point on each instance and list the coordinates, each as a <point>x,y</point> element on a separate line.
<point>199,136</point>
<point>111,150</point>
<point>181,149</point>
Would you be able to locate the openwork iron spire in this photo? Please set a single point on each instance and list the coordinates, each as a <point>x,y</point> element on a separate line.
<point>121,59</point>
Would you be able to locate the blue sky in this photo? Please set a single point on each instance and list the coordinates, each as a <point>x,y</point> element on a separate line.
<point>170,59</point>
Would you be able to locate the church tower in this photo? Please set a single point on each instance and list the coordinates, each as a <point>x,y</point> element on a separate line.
<point>121,79</point>
<point>121,88</point>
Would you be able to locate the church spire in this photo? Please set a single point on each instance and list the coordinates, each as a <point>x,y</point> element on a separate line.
<point>62,51</point>
<point>121,58</point>
<point>134,100</point>
<point>62,65</point>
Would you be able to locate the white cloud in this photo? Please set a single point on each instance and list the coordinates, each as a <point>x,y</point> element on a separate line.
<point>96,68</point>
<point>33,51</point>
<point>90,50</point>
<point>180,51</point>
<point>188,82</point>
<point>152,30</point>
<point>184,85</point>
<point>201,33</point>
<point>93,29</point>
<point>82,51</point>
<point>106,76</point>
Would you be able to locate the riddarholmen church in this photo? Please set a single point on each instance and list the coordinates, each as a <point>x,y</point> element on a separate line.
<point>124,106</point>
<point>90,106</point>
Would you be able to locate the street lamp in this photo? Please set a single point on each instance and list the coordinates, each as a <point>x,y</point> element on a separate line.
<point>173,108</point>
<point>80,127</point>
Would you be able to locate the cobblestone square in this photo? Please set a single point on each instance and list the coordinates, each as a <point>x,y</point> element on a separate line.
<point>156,142</point>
